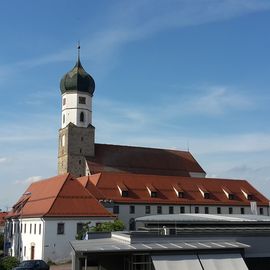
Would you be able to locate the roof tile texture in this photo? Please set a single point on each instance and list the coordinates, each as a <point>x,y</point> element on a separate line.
<point>61,195</point>
<point>138,193</point>
<point>140,160</point>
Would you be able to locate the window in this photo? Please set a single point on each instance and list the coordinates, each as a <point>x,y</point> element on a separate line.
<point>24,227</point>
<point>64,101</point>
<point>196,210</point>
<point>242,210</point>
<point>80,162</point>
<point>35,228</point>
<point>116,209</point>
<point>124,193</point>
<point>82,100</point>
<point>182,209</point>
<point>153,194</point>
<point>132,209</point>
<point>30,230</point>
<point>159,209</point>
<point>170,209</point>
<point>230,210</point>
<point>249,197</point>
<point>80,227</point>
<point>231,197</point>
<point>206,210</point>
<point>206,195</point>
<point>60,228</point>
<point>64,119</point>
<point>80,150</point>
<point>147,209</point>
<point>180,194</point>
<point>39,229</point>
<point>24,251</point>
<point>81,139</point>
<point>63,140</point>
<point>218,210</point>
<point>21,227</point>
<point>81,117</point>
<point>261,211</point>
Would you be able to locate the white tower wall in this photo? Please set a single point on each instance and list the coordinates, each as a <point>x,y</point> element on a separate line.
<point>73,104</point>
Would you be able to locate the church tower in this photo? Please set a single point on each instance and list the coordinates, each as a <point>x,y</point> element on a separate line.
<point>77,135</point>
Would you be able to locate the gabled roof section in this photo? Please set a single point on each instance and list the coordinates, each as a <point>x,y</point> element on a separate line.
<point>89,183</point>
<point>141,160</point>
<point>59,196</point>
<point>139,185</point>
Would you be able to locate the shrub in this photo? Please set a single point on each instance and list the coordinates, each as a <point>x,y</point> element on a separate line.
<point>8,262</point>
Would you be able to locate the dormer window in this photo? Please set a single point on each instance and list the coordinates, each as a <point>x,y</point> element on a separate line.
<point>179,192</point>
<point>152,191</point>
<point>204,192</point>
<point>247,194</point>
<point>228,193</point>
<point>122,189</point>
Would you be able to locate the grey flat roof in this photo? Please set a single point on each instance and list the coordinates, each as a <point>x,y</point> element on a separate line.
<point>204,218</point>
<point>114,245</point>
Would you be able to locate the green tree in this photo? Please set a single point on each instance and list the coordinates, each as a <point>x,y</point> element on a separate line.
<point>116,225</point>
<point>8,262</point>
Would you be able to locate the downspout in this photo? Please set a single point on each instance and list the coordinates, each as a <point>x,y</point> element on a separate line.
<point>43,238</point>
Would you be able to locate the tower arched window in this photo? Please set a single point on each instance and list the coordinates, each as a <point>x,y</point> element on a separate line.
<point>64,119</point>
<point>81,117</point>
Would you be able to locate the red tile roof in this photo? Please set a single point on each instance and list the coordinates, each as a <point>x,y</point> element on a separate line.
<point>58,196</point>
<point>118,158</point>
<point>105,186</point>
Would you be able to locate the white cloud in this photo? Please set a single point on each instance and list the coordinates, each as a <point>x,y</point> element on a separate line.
<point>218,100</point>
<point>29,180</point>
<point>3,159</point>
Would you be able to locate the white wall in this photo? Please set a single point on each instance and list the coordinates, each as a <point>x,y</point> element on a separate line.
<point>49,245</point>
<point>56,246</point>
<point>73,108</point>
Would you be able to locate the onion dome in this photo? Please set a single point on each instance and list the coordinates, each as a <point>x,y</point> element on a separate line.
<point>77,80</point>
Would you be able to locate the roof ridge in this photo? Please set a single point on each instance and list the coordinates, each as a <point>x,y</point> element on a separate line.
<point>143,147</point>
<point>97,176</point>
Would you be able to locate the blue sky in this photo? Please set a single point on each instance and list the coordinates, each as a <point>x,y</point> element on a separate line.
<point>186,74</point>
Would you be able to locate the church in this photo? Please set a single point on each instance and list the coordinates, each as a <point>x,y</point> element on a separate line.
<point>102,182</point>
<point>78,153</point>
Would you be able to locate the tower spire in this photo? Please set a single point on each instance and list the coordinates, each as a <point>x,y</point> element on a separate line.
<point>78,48</point>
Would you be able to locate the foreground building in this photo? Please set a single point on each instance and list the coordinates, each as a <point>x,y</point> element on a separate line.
<point>188,241</point>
